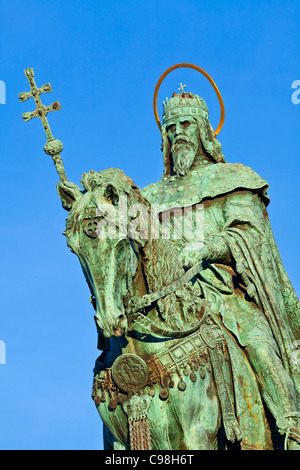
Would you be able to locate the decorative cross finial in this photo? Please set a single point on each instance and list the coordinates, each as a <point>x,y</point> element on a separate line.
<point>181,87</point>
<point>53,146</point>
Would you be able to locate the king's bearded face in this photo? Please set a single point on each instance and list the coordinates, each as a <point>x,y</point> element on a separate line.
<point>184,143</point>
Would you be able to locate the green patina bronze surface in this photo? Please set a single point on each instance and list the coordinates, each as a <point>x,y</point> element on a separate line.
<point>53,146</point>
<point>199,345</point>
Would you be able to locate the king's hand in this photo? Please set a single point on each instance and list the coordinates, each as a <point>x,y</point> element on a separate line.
<point>188,258</point>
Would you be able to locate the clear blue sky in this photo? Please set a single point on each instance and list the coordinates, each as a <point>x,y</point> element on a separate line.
<point>103,59</point>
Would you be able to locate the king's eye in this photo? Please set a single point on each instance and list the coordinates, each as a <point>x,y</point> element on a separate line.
<point>185,124</point>
<point>171,128</point>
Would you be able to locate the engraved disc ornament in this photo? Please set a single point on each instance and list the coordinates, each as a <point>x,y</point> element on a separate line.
<point>130,372</point>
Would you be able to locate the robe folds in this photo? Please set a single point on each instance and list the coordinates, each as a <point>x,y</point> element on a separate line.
<point>248,289</point>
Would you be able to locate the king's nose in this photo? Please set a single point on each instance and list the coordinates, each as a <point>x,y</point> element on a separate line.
<point>178,129</point>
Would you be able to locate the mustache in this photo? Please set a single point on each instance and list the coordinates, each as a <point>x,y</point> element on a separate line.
<point>182,139</point>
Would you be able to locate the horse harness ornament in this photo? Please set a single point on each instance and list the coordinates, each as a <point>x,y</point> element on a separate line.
<point>130,381</point>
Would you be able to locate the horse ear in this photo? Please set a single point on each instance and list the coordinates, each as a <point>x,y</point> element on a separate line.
<point>68,193</point>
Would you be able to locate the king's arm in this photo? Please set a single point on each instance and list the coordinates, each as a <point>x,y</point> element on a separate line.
<point>242,210</point>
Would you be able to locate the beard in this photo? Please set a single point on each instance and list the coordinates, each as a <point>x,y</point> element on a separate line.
<point>183,154</point>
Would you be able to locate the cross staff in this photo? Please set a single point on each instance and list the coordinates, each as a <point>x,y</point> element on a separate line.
<point>53,146</point>
<point>181,87</point>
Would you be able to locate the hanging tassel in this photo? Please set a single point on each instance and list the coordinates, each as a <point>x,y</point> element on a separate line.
<point>231,425</point>
<point>136,409</point>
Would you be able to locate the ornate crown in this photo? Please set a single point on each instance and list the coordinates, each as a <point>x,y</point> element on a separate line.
<point>184,104</point>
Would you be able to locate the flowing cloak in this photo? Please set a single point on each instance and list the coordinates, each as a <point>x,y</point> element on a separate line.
<point>241,196</point>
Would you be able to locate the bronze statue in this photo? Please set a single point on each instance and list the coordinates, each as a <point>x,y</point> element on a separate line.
<point>198,335</point>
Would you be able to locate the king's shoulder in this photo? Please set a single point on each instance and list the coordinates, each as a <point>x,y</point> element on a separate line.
<point>241,173</point>
<point>211,181</point>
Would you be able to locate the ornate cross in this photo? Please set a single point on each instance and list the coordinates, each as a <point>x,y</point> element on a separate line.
<point>181,87</point>
<point>53,146</point>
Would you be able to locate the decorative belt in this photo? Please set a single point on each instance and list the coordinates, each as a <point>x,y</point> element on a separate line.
<point>130,381</point>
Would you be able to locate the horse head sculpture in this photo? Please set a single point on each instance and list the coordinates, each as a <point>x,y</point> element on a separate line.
<point>96,235</point>
<point>108,229</point>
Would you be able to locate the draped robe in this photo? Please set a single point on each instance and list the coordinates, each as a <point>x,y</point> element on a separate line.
<point>248,289</point>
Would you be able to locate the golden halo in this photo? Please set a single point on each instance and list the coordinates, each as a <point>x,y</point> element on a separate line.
<point>195,67</point>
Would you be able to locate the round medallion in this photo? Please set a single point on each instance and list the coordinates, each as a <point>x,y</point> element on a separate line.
<point>181,385</point>
<point>193,376</point>
<point>164,393</point>
<point>171,384</point>
<point>130,372</point>
<point>113,404</point>
<point>90,228</point>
